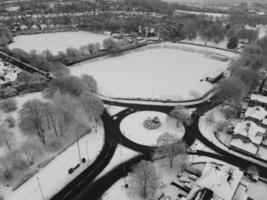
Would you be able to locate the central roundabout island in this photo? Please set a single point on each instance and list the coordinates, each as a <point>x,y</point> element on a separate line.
<point>145,127</point>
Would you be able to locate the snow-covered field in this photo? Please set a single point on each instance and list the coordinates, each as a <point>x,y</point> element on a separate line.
<point>56,42</point>
<point>213,15</point>
<point>132,127</point>
<point>162,73</point>
<point>54,176</point>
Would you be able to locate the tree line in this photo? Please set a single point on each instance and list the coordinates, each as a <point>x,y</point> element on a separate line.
<point>49,125</point>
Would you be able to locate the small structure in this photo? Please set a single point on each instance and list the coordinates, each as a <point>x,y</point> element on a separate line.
<point>215,76</point>
<point>152,123</point>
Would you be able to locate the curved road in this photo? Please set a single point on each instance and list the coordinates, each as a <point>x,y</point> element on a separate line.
<point>83,186</point>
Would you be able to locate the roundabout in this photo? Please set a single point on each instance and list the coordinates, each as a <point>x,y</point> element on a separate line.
<point>145,127</point>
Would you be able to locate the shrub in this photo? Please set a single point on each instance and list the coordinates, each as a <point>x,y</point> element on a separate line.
<point>11,122</point>
<point>8,105</point>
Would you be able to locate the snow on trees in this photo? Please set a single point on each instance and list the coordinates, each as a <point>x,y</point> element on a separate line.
<point>6,136</point>
<point>31,119</point>
<point>8,105</point>
<point>231,90</point>
<point>144,179</point>
<point>92,105</point>
<point>111,45</point>
<point>90,82</point>
<point>31,149</point>
<point>182,115</point>
<point>170,147</point>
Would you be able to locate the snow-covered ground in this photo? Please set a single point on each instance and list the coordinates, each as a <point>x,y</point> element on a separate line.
<point>262,29</point>
<point>121,155</point>
<point>158,73</point>
<point>54,176</point>
<point>213,15</point>
<point>166,174</point>
<point>113,110</point>
<point>132,127</point>
<point>56,42</point>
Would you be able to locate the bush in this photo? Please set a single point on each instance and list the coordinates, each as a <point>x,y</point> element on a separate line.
<point>232,43</point>
<point>8,105</point>
<point>23,180</point>
<point>11,122</point>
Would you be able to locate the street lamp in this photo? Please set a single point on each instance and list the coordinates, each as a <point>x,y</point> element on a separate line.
<point>78,145</point>
<point>40,188</point>
<point>87,150</point>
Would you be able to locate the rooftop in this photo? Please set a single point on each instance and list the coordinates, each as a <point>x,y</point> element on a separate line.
<point>222,180</point>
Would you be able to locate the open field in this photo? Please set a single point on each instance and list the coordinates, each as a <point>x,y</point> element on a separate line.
<point>164,73</point>
<point>56,42</point>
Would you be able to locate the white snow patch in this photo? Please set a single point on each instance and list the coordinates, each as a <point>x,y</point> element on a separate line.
<point>56,42</point>
<point>132,127</point>
<point>158,73</point>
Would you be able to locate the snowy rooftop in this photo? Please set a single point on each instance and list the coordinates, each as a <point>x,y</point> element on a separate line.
<point>219,181</point>
<point>258,113</point>
<point>247,147</point>
<point>259,98</point>
<point>250,130</point>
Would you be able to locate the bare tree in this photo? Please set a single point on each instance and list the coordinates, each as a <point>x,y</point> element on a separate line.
<point>182,115</point>
<point>32,118</point>
<point>90,82</point>
<point>92,105</point>
<point>170,147</point>
<point>31,148</point>
<point>144,179</point>
<point>6,136</point>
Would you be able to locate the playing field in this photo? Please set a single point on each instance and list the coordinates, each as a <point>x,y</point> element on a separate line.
<point>56,42</point>
<point>152,73</point>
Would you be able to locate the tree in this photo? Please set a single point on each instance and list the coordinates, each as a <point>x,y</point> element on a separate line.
<point>31,119</point>
<point>182,115</point>
<point>73,55</point>
<point>6,136</point>
<point>247,75</point>
<point>57,118</point>
<point>111,45</point>
<point>68,85</point>
<point>92,105</point>
<point>170,146</point>
<point>232,43</point>
<point>144,179</point>
<point>31,148</point>
<point>90,82</point>
<point>231,90</point>
<point>9,105</point>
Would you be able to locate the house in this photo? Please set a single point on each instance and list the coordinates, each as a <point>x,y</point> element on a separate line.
<point>247,137</point>
<point>215,76</point>
<point>256,114</point>
<point>258,100</point>
<point>217,183</point>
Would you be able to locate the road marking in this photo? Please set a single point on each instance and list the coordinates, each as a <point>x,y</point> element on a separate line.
<point>67,194</point>
<point>82,181</point>
<point>90,173</point>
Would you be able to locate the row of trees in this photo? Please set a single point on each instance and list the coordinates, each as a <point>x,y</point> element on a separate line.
<point>5,36</point>
<point>246,72</point>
